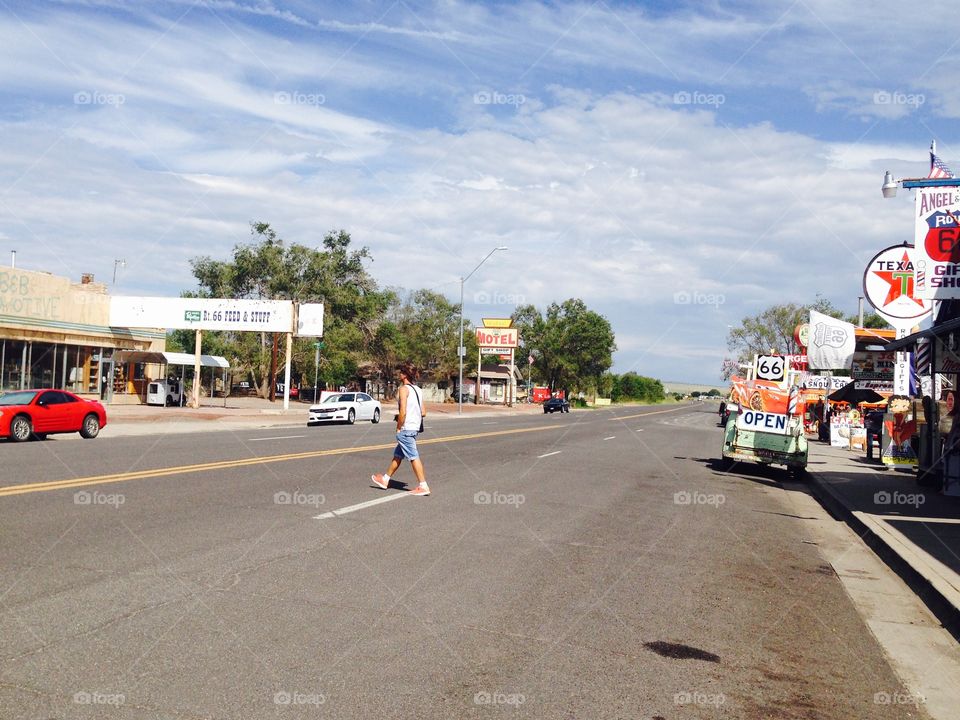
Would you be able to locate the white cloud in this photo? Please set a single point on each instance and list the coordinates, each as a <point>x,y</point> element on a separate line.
<point>602,188</point>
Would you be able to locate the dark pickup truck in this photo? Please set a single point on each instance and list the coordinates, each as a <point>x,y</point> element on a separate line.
<point>556,405</point>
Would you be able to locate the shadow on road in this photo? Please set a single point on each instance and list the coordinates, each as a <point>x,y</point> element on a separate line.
<point>769,475</point>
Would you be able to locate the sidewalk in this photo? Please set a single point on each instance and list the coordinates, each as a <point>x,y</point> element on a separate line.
<point>915,530</point>
<point>236,413</point>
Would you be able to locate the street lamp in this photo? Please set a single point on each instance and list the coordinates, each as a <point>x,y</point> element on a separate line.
<point>121,263</point>
<point>889,187</point>
<point>461,348</point>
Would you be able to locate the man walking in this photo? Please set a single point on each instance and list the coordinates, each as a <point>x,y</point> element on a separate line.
<point>409,422</point>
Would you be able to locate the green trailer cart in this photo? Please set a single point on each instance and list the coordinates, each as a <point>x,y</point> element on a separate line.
<point>765,438</point>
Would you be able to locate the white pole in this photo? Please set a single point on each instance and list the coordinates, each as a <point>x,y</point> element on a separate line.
<point>286,373</point>
<point>196,369</point>
<point>476,397</point>
<point>316,369</point>
<point>460,349</point>
<point>462,281</point>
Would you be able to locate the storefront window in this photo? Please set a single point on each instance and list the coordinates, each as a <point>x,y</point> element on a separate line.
<point>12,360</point>
<point>43,361</point>
<point>83,369</point>
<point>25,364</point>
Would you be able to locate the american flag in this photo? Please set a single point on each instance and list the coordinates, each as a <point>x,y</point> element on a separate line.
<point>938,169</point>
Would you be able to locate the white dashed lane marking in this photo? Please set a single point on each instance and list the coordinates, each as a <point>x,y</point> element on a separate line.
<point>361,506</point>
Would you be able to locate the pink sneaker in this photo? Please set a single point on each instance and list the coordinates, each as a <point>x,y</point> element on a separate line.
<point>379,481</point>
<point>420,490</point>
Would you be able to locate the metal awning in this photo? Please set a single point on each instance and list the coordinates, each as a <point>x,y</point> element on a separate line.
<point>498,372</point>
<point>931,332</point>
<point>170,358</point>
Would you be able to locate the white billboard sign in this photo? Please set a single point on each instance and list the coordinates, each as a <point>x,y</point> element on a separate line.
<point>937,239</point>
<point>309,320</point>
<point>202,314</point>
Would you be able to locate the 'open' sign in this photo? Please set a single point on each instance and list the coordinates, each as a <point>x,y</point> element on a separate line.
<point>760,421</point>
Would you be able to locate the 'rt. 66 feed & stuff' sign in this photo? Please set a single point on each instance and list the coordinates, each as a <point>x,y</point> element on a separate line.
<point>937,238</point>
<point>217,314</point>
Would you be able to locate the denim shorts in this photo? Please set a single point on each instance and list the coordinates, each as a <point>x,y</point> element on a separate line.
<point>406,445</point>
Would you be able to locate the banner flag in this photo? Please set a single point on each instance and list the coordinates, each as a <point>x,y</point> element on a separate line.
<point>832,343</point>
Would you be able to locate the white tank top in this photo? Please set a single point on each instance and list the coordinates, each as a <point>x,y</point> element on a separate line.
<point>414,408</point>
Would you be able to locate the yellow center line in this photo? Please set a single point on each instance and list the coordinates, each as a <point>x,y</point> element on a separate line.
<point>226,464</point>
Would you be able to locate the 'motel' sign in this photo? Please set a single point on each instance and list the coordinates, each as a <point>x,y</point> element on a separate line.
<point>760,421</point>
<point>497,337</point>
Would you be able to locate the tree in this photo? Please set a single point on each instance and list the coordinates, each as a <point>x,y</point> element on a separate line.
<point>771,332</point>
<point>422,329</point>
<point>431,324</point>
<point>573,345</point>
<point>631,386</point>
<point>870,320</point>
<point>268,269</point>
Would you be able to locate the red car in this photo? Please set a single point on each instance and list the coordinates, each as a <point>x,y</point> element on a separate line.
<point>38,413</point>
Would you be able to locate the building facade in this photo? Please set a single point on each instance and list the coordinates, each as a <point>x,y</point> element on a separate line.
<point>55,333</point>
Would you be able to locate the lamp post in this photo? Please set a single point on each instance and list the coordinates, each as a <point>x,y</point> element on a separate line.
<point>461,347</point>
<point>121,263</point>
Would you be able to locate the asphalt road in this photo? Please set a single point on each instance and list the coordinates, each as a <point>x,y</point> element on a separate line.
<point>587,565</point>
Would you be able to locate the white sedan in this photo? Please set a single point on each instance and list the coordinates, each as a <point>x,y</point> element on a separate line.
<point>345,407</point>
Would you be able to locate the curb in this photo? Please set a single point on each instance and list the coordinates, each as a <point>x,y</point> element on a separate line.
<point>918,576</point>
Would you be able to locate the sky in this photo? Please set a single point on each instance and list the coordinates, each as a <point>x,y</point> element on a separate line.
<point>677,165</point>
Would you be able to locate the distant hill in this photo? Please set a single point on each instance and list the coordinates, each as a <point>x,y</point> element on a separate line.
<point>686,388</point>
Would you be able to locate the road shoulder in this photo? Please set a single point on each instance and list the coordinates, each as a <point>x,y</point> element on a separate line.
<point>920,650</point>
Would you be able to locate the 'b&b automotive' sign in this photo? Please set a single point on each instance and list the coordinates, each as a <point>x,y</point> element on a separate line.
<point>497,337</point>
